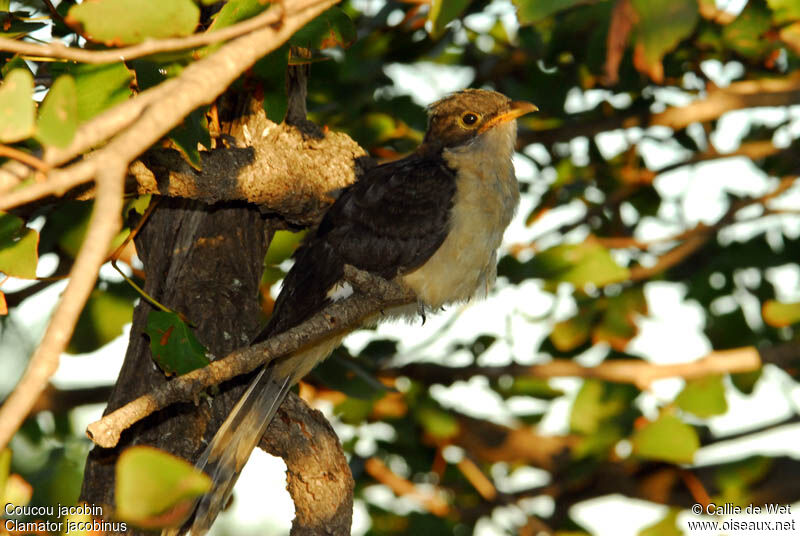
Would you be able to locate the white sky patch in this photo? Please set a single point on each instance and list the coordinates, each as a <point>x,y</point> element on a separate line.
<point>672,332</point>
<point>426,82</point>
<point>617,515</point>
<point>251,513</point>
<point>786,281</point>
<point>105,364</point>
<point>722,74</point>
<point>745,412</point>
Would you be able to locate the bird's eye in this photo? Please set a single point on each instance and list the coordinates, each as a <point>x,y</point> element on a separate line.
<point>469,119</point>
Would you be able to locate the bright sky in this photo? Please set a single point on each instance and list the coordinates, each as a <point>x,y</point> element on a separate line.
<point>695,191</point>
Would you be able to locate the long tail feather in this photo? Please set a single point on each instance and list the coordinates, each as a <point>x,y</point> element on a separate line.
<point>230,449</point>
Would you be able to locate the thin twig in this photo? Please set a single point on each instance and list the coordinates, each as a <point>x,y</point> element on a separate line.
<point>57,50</point>
<point>115,255</point>
<point>56,15</point>
<point>754,150</point>
<point>738,95</point>
<point>26,158</point>
<point>701,234</point>
<point>432,502</point>
<point>103,226</point>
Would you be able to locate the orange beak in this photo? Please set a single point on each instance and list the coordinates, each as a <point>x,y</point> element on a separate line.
<point>516,109</point>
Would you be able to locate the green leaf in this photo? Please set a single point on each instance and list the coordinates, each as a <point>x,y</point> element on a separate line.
<point>442,12</point>
<point>330,29</point>
<point>598,402</point>
<point>736,477</point>
<point>784,10</point>
<point>662,25</point>
<point>437,422</point>
<point>58,116</point>
<point>236,11</point>
<point>105,314</point>
<point>126,22</point>
<point>378,350</point>
<point>618,325</point>
<point>98,87</point>
<point>579,264</point>
<point>746,381</point>
<point>137,204</point>
<point>193,131</point>
<point>667,439</point>
<point>66,227</point>
<point>348,376</point>
<point>573,332</point>
<point>155,489</point>
<point>14,63</point>
<point>17,109</point>
<point>779,314</point>
<point>668,526</point>
<point>353,411</point>
<point>174,346</point>
<point>527,386</point>
<point>745,34</point>
<point>5,471</point>
<point>13,25</point>
<point>282,246</point>
<point>276,103</point>
<point>703,397</point>
<point>271,70</point>
<point>530,11</point>
<point>478,346</point>
<point>791,36</point>
<point>18,247</point>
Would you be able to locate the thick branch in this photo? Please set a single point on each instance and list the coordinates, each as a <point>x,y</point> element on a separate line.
<point>338,317</point>
<point>318,475</point>
<point>281,170</point>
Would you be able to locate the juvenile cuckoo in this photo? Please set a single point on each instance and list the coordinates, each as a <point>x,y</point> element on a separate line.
<point>433,220</point>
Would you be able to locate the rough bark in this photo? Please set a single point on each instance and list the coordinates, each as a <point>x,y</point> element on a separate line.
<point>204,261</point>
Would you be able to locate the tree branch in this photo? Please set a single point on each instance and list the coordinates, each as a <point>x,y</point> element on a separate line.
<point>336,318</point>
<point>280,170</point>
<point>165,106</point>
<point>153,46</point>
<point>198,84</point>
<point>103,226</point>
<point>317,472</point>
<point>433,502</point>
<point>640,373</point>
<point>738,95</point>
<point>25,158</point>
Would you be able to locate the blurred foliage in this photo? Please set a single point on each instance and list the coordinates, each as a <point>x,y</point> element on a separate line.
<point>155,489</point>
<point>608,193</point>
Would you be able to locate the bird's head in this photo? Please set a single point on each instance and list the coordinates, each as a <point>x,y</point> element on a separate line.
<point>466,116</point>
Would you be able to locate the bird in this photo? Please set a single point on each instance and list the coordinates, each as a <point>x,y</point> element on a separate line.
<point>432,221</point>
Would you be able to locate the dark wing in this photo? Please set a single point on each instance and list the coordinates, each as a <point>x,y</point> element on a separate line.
<point>389,222</point>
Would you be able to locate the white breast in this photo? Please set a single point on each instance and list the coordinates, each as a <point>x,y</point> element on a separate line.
<point>486,197</point>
